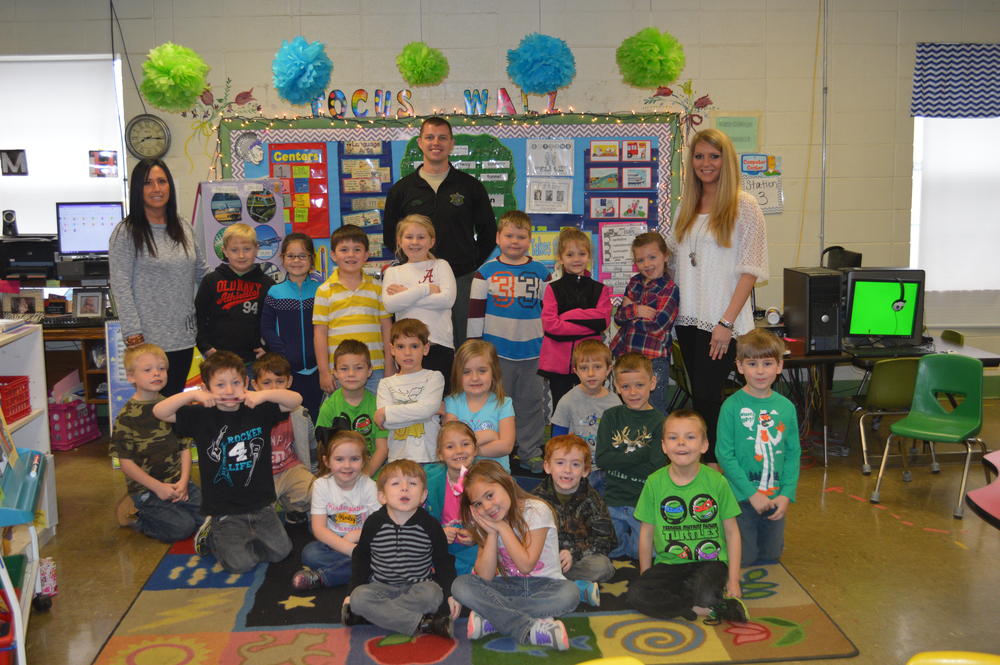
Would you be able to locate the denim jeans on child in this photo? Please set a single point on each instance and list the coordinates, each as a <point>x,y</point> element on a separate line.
<point>240,542</point>
<point>591,568</point>
<point>763,539</point>
<point>512,604</point>
<point>398,608</point>
<point>661,370</point>
<point>627,529</point>
<point>333,567</point>
<point>168,521</point>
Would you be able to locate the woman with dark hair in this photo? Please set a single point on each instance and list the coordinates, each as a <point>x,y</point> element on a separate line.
<point>156,267</point>
<point>720,251</point>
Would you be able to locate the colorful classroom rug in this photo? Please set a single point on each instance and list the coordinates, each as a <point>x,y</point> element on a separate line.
<point>191,612</point>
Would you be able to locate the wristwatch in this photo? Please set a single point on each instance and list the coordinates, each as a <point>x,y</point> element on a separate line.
<point>726,324</point>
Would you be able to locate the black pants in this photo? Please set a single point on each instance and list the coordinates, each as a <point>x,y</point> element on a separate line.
<point>670,590</point>
<point>707,377</point>
<point>559,385</point>
<point>440,359</point>
<point>179,362</point>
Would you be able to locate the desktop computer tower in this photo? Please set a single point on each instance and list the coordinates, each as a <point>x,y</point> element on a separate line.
<point>812,308</point>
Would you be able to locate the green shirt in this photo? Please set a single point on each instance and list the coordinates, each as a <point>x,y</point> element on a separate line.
<point>629,448</point>
<point>758,445</point>
<point>360,416</point>
<point>687,519</point>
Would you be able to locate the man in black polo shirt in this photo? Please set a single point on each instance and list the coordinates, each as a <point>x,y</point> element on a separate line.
<point>458,205</point>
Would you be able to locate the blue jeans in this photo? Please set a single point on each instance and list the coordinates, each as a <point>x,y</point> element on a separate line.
<point>763,539</point>
<point>168,521</point>
<point>596,480</point>
<point>396,608</point>
<point>512,604</point>
<point>333,567</point>
<point>627,530</point>
<point>371,385</point>
<point>661,370</point>
<point>240,542</point>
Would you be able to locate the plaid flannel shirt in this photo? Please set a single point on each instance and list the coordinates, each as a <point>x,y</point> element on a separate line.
<point>650,337</point>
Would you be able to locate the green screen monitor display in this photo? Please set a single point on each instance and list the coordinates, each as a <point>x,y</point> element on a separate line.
<point>885,306</point>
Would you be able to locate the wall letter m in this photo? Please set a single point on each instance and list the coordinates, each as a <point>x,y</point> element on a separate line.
<point>13,162</point>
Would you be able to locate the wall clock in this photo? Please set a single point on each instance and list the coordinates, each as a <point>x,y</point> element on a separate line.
<point>147,135</point>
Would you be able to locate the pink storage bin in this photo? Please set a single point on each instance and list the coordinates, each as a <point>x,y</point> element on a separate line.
<point>72,424</point>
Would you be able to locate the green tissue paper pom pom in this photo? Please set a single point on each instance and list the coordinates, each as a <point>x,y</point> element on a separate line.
<point>649,58</point>
<point>422,65</point>
<point>173,77</point>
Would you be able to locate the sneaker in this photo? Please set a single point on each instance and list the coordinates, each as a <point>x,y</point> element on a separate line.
<point>201,537</point>
<point>306,579</point>
<point>536,465</point>
<point>436,624</point>
<point>590,592</point>
<point>125,511</point>
<point>730,609</point>
<point>296,517</point>
<point>349,618</point>
<point>549,633</point>
<point>479,627</point>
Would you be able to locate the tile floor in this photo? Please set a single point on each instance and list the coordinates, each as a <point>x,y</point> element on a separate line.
<point>898,580</point>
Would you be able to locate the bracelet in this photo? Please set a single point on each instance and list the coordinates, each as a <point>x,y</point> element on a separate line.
<point>726,324</point>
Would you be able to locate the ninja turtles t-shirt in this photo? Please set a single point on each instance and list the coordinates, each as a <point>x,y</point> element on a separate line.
<point>687,519</point>
<point>234,455</point>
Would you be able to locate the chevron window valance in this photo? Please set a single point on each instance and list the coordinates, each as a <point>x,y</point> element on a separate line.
<point>956,81</point>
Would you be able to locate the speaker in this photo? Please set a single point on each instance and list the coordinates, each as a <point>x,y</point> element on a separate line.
<point>813,308</point>
<point>9,223</point>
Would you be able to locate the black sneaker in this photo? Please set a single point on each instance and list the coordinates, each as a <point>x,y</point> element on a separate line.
<point>436,624</point>
<point>201,537</point>
<point>730,609</point>
<point>349,618</point>
<point>296,517</point>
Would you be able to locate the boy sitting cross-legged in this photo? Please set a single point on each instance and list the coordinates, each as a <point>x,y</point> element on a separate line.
<point>291,441</point>
<point>162,502</point>
<point>688,514</point>
<point>231,426</point>
<point>401,572</point>
<point>586,535</point>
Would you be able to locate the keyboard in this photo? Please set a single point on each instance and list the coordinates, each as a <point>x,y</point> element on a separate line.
<point>890,351</point>
<point>33,317</point>
<point>70,321</point>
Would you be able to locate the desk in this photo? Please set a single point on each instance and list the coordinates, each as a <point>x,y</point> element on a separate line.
<point>822,364</point>
<point>988,358</point>
<point>60,363</point>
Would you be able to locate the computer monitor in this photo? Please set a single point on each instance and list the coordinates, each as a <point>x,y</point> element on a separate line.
<point>884,306</point>
<point>85,228</point>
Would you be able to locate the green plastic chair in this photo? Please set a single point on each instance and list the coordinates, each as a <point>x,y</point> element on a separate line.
<point>936,374</point>
<point>890,391</point>
<point>953,337</point>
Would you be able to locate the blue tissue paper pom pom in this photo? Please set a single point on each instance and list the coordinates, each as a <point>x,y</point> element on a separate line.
<point>301,70</point>
<point>541,64</point>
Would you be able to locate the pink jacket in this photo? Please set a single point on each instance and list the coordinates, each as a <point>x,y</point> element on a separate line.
<point>562,332</point>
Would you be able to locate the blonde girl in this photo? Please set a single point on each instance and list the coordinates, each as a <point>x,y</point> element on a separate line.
<point>456,450</point>
<point>517,536</point>
<point>342,499</point>
<point>422,287</point>
<point>575,307</point>
<point>478,400</point>
<point>721,251</point>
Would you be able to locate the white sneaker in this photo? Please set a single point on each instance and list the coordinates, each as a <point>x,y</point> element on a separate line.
<point>549,633</point>
<point>479,627</point>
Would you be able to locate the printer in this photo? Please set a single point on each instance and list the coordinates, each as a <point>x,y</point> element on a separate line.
<point>27,256</point>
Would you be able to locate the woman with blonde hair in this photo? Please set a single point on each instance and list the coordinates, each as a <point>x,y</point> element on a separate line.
<point>720,251</point>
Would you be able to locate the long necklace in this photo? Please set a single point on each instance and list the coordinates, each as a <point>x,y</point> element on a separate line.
<point>696,234</point>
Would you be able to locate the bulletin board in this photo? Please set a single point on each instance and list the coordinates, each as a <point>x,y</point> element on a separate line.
<point>612,176</point>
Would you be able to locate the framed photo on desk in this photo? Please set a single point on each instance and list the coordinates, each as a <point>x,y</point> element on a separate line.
<point>88,303</point>
<point>28,301</point>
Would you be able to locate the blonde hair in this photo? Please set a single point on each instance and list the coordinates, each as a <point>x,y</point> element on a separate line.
<point>758,344</point>
<point>456,425</point>
<point>570,235</point>
<point>132,354</point>
<point>516,218</point>
<point>489,471</point>
<point>401,467</point>
<point>722,217</point>
<point>337,439</point>
<point>633,362</point>
<point>470,349</point>
<point>238,231</point>
<point>591,349</point>
<point>422,221</point>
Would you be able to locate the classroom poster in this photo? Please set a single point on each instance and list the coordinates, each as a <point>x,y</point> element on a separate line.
<point>257,203</point>
<point>302,170</point>
<point>614,260</point>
